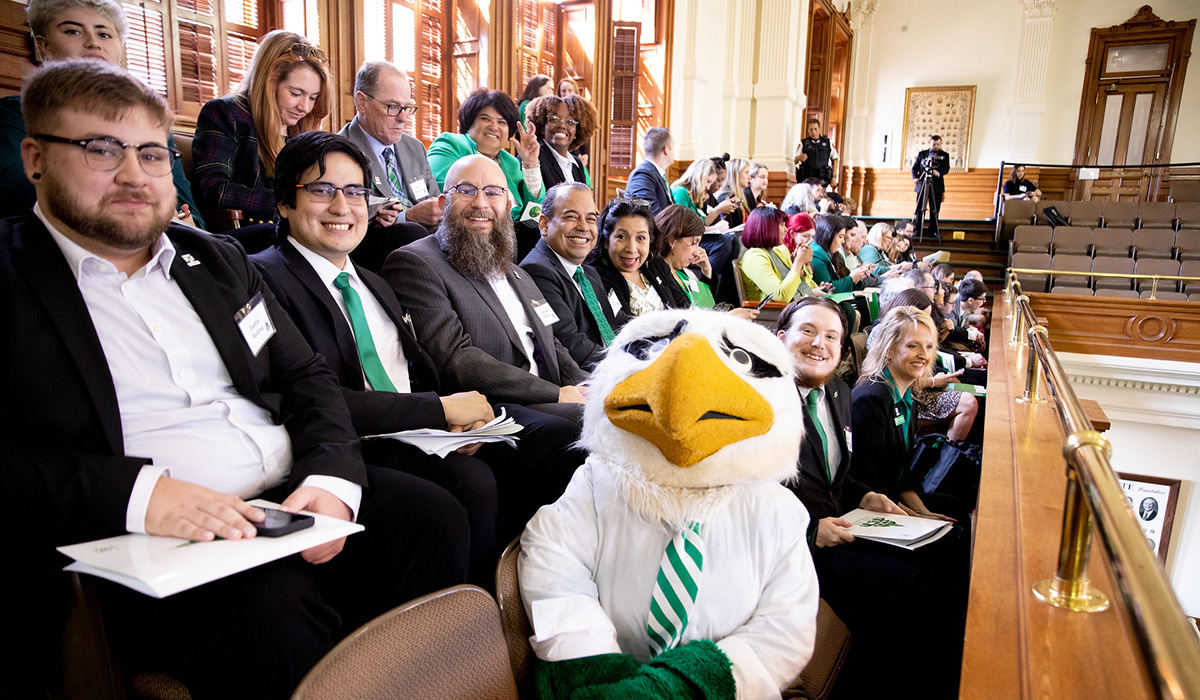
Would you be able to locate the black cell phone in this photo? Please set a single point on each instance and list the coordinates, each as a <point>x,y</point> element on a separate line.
<point>281,522</point>
<point>763,303</point>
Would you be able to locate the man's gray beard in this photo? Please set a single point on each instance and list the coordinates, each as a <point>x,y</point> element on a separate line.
<point>480,257</point>
<point>62,203</point>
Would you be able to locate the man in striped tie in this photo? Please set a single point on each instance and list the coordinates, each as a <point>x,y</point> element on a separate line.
<point>676,564</point>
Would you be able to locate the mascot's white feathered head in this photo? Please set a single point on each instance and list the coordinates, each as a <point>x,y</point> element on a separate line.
<point>694,400</point>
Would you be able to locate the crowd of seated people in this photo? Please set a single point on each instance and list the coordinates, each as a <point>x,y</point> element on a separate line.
<point>410,314</point>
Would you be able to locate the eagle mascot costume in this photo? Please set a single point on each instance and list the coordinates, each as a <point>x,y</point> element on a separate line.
<point>675,565</point>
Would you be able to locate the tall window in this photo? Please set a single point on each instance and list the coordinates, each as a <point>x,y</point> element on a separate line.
<point>192,51</point>
<point>536,35</point>
<point>410,34</point>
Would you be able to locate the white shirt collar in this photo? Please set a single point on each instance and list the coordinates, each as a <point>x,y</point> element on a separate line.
<point>661,171</point>
<point>569,266</point>
<point>325,270</point>
<point>76,255</point>
<point>566,163</point>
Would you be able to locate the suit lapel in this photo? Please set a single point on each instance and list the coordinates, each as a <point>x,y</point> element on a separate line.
<point>527,291</point>
<point>413,352</point>
<point>549,159</point>
<point>40,261</point>
<point>378,169</point>
<point>598,287</point>
<point>489,297</point>
<point>833,403</point>
<point>308,277</point>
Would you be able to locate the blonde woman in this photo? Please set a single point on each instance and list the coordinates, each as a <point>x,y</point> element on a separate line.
<point>878,249</point>
<point>287,91</point>
<point>691,190</point>
<point>736,189</point>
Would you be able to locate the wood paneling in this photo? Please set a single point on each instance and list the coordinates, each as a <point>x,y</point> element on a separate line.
<point>1016,646</point>
<point>16,47</point>
<point>1159,330</point>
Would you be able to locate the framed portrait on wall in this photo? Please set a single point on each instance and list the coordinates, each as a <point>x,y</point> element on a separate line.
<point>948,112</point>
<point>1153,501</point>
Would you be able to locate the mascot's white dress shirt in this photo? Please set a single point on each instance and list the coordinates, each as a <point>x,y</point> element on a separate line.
<point>589,562</point>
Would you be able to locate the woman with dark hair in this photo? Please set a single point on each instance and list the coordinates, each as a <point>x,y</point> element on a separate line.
<point>827,265</point>
<point>561,126</point>
<point>678,243</point>
<point>713,208</point>
<point>902,251</point>
<point>487,122</point>
<point>637,280</point>
<point>778,256</point>
<point>1017,187</point>
<point>537,86</point>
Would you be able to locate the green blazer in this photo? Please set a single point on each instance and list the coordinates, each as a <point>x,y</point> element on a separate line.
<point>681,197</point>
<point>823,271</point>
<point>447,148</point>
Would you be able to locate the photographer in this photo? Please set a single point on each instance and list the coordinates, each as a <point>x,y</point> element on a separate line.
<point>928,169</point>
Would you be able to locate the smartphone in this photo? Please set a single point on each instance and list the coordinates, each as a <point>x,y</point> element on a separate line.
<point>281,522</point>
<point>763,303</point>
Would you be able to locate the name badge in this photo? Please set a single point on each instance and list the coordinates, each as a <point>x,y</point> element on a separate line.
<point>254,322</point>
<point>1022,188</point>
<point>849,440</point>
<point>899,420</point>
<point>614,302</point>
<point>419,190</point>
<point>544,312</point>
<point>693,284</point>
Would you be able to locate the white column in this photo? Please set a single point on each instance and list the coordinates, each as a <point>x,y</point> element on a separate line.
<point>862,23</point>
<point>777,97</point>
<point>683,108</point>
<point>738,88</point>
<point>1029,89</point>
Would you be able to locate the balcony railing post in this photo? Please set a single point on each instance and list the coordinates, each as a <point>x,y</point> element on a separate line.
<point>1018,321</point>
<point>1154,288</point>
<point>1033,372</point>
<point>1070,588</point>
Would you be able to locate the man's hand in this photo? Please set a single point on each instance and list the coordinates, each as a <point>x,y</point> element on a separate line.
<point>832,531</point>
<point>386,216</point>
<point>194,512</point>
<point>879,503</point>
<point>571,394</point>
<point>802,157</point>
<point>466,409</point>
<point>427,212</point>
<point>185,215</point>
<point>317,500</point>
<point>744,312</point>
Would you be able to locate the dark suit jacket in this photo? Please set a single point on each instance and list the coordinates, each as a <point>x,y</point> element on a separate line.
<point>63,452</point>
<point>657,271</point>
<point>225,165</point>
<point>463,326</point>
<point>410,154</point>
<point>822,498</point>
<point>941,164</point>
<point>576,329</point>
<point>881,459</point>
<point>552,173</point>
<point>321,322</point>
<point>646,183</point>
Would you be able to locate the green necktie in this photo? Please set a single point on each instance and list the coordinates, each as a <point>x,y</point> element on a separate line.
<point>389,161</point>
<point>593,304</point>
<point>814,395</point>
<point>371,364</point>
<point>675,589</point>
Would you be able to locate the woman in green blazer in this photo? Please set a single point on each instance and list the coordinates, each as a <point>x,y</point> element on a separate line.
<point>488,122</point>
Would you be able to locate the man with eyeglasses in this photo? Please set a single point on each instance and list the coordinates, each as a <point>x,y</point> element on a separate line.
<point>353,319</point>
<point>156,385</point>
<point>399,170</point>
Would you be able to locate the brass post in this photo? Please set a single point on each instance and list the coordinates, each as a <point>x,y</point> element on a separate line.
<point>1070,588</point>
<point>1154,288</point>
<point>1033,372</point>
<point>1018,321</point>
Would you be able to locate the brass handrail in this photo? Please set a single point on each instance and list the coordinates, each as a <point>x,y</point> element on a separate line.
<point>1169,646</point>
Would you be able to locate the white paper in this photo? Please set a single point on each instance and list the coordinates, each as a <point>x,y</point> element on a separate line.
<point>432,441</point>
<point>163,566</point>
<point>939,257</point>
<point>898,530</point>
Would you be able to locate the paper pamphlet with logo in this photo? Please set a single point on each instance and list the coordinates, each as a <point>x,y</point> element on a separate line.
<point>940,256</point>
<point>374,204</point>
<point>898,530</point>
<point>163,566</point>
<point>442,442</point>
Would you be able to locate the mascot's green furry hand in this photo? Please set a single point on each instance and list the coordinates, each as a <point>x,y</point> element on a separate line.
<point>695,671</point>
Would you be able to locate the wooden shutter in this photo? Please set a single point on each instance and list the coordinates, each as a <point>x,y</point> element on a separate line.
<point>622,147</point>
<point>197,62</point>
<point>428,81</point>
<point>145,48</point>
<point>536,22</point>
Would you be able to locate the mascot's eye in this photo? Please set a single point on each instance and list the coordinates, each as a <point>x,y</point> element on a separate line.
<point>750,363</point>
<point>646,348</point>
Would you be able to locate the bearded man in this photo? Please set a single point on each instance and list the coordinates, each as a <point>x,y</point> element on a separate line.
<point>484,322</point>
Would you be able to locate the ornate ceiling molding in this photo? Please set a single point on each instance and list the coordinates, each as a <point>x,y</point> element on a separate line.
<point>1036,9</point>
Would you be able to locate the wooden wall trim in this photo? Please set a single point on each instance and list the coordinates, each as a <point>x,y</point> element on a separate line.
<point>1014,642</point>
<point>1157,330</point>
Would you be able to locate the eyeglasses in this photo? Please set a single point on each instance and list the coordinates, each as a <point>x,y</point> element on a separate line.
<point>325,192</point>
<point>555,119</point>
<point>392,108</point>
<point>492,192</point>
<point>307,51</point>
<point>635,201</point>
<point>105,154</point>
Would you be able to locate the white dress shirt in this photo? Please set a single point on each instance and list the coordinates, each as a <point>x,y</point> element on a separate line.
<point>589,562</point>
<point>383,332</point>
<point>177,401</point>
<point>516,314</point>
<point>570,269</point>
<point>833,452</point>
<point>378,147</point>
<point>566,164</point>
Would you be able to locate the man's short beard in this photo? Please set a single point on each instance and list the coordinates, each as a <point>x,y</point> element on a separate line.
<point>806,379</point>
<point>96,225</point>
<point>480,257</point>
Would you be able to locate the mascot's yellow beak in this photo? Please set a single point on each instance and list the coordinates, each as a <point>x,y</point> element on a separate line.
<point>688,403</point>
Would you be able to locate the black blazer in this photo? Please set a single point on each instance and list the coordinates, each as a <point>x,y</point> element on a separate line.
<point>575,329</point>
<point>811,484</point>
<point>881,459</point>
<point>63,451</point>
<point>656,270</point>
<point>646,183</point>
<point>941,163</point>
<point>552,173</point>
<point>301,293</point>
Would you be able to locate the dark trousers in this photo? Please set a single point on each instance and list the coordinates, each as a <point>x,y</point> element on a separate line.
<point>255,634</point>
<point>722,249</point>
<point>931,199</point>
<point>380,241</point>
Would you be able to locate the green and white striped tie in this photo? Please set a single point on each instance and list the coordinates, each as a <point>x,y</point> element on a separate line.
<point>675,589</point>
